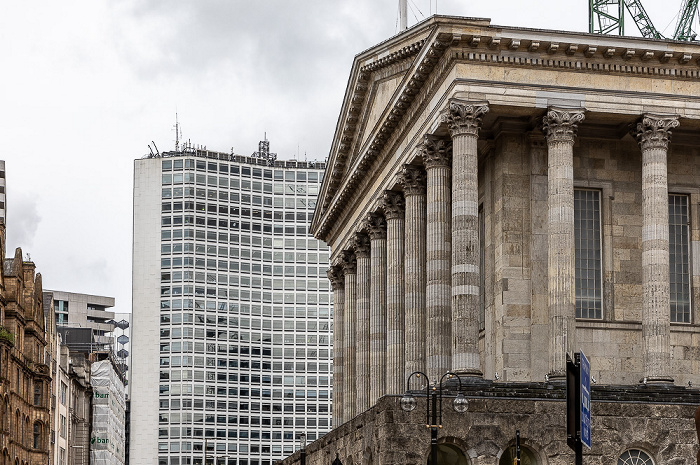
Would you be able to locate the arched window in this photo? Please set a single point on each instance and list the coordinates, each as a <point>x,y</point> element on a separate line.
<point>449,454</point>
<point>36,443</point>
<point>527,456</point>
<point>17,425</point>
<point>635,457</point>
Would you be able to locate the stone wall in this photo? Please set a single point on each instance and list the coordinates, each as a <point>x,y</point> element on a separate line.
<point>622,418</point>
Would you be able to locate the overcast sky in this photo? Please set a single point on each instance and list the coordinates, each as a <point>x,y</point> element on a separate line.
<point>88,84</point>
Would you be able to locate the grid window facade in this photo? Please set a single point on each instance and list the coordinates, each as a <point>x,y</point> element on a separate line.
<point>245,313</point>
<point>587,238</point>
<point>679,257</point>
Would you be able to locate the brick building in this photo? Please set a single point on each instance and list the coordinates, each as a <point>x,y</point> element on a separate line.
<point>495,199</point>
<point>25,377</point>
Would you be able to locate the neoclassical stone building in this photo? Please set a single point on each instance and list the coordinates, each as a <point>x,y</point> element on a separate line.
<point>496,198</point>
<point>25,377</point>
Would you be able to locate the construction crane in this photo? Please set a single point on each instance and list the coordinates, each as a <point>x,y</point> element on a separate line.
<point>608,17</point>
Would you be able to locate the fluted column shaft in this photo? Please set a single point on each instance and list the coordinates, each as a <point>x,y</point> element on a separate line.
<point>394,208</point>
<point>560,129</point>
<point>464,120</point>
<point>335,275</point>
<point>376,227</point>
<point>436,154</point>
<point>362,370</point>
<point>413,182</point>
<point>653,133</point>
<point>349,265</point>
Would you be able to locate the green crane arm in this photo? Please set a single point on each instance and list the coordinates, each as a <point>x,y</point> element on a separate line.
<point>684,29</point>
<point>641,18</point>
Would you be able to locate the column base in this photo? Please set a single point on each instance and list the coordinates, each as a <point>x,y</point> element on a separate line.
<point>556,377</point>
<point>467,373</point>
<point>656,380</point>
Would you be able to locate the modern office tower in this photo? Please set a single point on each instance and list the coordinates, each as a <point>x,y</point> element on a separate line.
<point>231,329</point>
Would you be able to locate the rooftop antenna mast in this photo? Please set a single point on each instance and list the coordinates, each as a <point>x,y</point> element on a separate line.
<point>403,15</point>
<point>178,134</point>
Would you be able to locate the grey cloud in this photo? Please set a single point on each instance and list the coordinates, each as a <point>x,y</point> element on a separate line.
<point>22,219</point>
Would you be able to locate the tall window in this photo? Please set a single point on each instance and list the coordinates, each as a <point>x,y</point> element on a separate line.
<point>587,238</point>
<point>62,426</point>
<point>36,443</point>
<point>679,262</point>
<point>482,268</point>
<point>37,394</point>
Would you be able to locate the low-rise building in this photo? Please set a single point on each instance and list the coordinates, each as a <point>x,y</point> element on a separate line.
<point>25,378</point>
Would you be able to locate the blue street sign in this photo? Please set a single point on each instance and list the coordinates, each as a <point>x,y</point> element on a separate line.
<point>585,401</point>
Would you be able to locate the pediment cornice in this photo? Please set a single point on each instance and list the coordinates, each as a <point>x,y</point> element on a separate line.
<point>444,40</point>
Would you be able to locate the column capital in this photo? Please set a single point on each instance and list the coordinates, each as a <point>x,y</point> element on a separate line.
<point>436,151</point>
<point>464,118</point>
<point>394,205</point>
<point>654,131</point>
<point>412,179</point>
<point>348,262</point>
<point>361,245</point>
<point>561,124</point>
<point>376,226</point>
<point>336,277</point>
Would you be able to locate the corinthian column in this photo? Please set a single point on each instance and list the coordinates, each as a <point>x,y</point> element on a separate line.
<point>394,207</point>
<point>436,153</point>
<point>335,275</point>
<point>361,245</point>
<point>560,129</point>
<point>349,265</point>
<point>464,121</point>
<point>376,227</point>
<point>412,180</point>
<point>653,134</point>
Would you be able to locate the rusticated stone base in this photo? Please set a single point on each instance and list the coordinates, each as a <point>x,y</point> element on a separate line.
<point>658,420</point>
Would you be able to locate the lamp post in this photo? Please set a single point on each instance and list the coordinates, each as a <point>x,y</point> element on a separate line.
<point>302,448</point>
<point>433,410</point>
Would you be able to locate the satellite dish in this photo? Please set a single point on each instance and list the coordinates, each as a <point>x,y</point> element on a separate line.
<point>123,353</point>
<point>123,324</point>
<point>123,339</point>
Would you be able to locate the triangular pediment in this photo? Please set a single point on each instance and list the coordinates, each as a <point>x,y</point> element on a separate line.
<point>380,93</point>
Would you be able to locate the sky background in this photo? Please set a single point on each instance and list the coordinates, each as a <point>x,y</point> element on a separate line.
<point>88,84</point>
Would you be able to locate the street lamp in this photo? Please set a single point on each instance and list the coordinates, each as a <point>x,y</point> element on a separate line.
<point>433,413</point>
<point>302,448</point>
